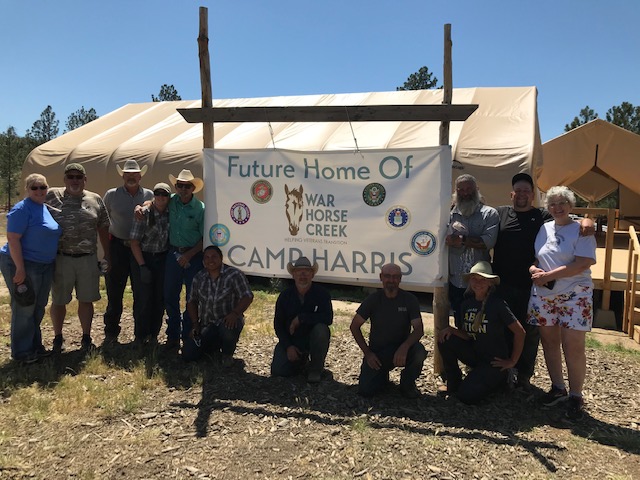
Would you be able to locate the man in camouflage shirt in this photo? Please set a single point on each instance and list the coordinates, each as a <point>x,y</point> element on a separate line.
<point>83,218</point>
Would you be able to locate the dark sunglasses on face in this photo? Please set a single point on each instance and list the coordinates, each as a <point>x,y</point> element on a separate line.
<point>184,185</point>
<point>161,194</point>
<point>75,177</point>
<point>39,187</point>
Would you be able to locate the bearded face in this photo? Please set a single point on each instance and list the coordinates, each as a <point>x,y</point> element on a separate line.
<point>466,198</point>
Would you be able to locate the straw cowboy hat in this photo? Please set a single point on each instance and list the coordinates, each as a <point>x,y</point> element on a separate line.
<point>131,166</point>
<point>483,269</point>
<point>187,177</point>
<point>302,262</point>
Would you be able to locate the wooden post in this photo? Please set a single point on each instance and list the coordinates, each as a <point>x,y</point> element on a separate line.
<point>440,295</point>
<point>205,74</point>
<point>606,284</point>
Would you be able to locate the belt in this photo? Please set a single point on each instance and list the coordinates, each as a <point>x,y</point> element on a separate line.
<point>155,254</point>
<point>181,249</point>
<point>75,255</point>
<point>125,242</point>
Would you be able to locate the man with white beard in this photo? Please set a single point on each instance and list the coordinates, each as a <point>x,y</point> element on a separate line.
<point>472,232</point>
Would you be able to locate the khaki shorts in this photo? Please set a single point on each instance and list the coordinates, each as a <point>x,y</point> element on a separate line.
<point>80,273</point>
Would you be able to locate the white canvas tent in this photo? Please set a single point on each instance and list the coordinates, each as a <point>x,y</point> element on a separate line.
<point>498,140</point>
<point>594,160</point>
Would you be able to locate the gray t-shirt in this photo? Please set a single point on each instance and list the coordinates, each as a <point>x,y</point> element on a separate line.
<point>390,317</point>
<point>120,205</point>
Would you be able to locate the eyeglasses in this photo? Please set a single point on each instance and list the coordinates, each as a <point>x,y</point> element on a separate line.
<point>563,203</point>
<point>38,187</point>
<point>161,194</point>
<point>184,185</point>
<point>75,177</point>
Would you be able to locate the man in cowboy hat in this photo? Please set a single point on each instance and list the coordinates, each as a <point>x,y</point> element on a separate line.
<point>184,260</point>
<point>394,339</point>
<point>120,203</point>
<point>302,318</point>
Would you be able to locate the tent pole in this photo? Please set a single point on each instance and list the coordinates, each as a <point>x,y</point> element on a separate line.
<point>205,74</point>
<point>440,295</point>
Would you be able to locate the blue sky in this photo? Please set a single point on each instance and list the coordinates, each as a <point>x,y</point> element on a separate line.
<point>74,53</point>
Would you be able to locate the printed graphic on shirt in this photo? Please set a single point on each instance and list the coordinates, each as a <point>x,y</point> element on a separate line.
<point>470,319</point>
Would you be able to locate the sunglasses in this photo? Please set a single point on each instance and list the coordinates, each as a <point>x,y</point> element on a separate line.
<point>161,194</point>
<point>75,177</point>
<point>39,187</point>
<point>184,185</point>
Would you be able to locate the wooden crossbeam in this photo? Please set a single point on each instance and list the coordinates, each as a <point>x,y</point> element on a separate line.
<point>357,113</point>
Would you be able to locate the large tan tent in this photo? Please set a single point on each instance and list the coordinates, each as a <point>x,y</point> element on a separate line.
<point>594,160</point>
<point>498,140</point>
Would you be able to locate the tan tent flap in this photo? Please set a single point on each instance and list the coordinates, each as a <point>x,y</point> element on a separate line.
<point>593,160</point>
<point>500,139</point>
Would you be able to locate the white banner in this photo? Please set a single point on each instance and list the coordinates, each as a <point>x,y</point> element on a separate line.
<point>350,212</point>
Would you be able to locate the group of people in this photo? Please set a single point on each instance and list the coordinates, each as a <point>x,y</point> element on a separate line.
<point>538,288</point>
<point>152,237</point>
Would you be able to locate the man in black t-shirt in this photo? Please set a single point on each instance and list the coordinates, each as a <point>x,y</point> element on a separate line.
<point>394,339</point>
<point>513,254</point>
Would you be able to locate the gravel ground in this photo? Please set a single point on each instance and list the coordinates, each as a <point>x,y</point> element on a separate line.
<point>238,423</point>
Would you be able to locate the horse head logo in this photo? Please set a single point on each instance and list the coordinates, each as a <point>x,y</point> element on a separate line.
<point>293,208</point>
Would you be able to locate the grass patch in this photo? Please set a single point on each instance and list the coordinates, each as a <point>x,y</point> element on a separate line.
<point>360,424</point>
<point>612,347</point>
<point>98,388</point>
<point>259,316</point>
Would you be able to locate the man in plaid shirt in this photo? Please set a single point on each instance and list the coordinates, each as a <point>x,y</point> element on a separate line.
<point>219,296</point>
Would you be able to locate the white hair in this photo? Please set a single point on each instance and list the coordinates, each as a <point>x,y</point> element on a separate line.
<point>562,192</point>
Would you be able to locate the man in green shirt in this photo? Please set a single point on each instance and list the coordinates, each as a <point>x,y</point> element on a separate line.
<point>184,260</point>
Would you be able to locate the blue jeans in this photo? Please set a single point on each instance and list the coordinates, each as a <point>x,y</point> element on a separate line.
<point>215,339</point>
<point>178,324</point>
<point>26,337</point>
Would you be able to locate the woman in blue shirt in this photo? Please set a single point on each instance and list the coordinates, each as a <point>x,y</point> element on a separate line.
<point>28,258</point>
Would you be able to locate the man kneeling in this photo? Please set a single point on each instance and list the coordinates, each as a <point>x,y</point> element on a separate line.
<point>394,340</point>
<point>302,318</point>
<point>219,296</point>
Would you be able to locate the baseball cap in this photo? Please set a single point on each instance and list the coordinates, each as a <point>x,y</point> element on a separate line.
<point>162,187</point>
<point>522,177</point>
<point>75,166</point>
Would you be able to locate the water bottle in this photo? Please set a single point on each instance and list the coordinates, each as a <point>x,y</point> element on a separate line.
<point>178,255</point>
<point>103,266</point>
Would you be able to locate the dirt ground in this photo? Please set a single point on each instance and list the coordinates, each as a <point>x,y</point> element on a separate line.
<point>240,423</point>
